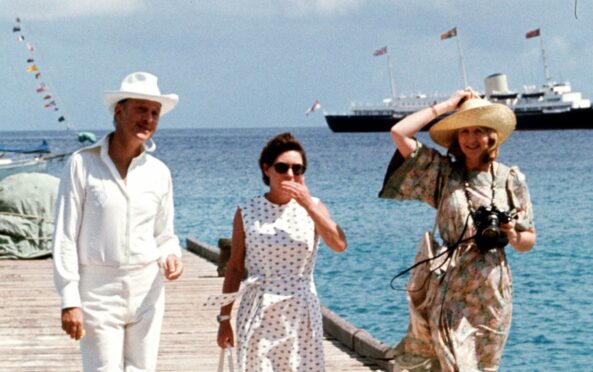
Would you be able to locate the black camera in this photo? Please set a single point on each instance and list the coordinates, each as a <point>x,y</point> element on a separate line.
<point>488,221</point>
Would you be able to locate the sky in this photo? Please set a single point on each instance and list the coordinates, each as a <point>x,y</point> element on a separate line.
<point>263,63</point>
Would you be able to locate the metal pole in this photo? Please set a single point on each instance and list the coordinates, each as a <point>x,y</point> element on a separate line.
<point>461,64</point>
<point>547,76</point>
<point>391,80</point>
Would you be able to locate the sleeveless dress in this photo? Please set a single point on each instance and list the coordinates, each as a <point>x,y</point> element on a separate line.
<point>469,304</point>
<point>279,324</point>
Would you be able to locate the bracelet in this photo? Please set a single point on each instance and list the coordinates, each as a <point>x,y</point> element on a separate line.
<point>434,111</point>
<point>222,318</point>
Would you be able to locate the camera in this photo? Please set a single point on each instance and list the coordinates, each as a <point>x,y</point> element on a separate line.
<point>488,221</point>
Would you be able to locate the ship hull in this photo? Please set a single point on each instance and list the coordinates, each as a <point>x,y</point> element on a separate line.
<point>574,119</point>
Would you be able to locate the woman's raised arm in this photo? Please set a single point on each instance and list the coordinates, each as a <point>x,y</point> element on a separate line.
<point>404,131</point>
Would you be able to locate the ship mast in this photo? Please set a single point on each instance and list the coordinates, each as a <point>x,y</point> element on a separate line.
<point>391,80</point>
<point>537,33</point>
<point>461,64</point>
<point>385,52</point>
<point>453,33</point>
<point>547,75</point>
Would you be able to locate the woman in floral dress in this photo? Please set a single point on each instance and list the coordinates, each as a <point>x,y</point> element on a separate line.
<point>464,315</point>
<point>275,237</point>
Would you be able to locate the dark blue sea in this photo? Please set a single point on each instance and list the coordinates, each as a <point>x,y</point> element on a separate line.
<point>215,169</point>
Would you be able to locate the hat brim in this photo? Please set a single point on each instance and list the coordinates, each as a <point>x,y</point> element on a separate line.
<point>167,101</point>
<point>495,116</point>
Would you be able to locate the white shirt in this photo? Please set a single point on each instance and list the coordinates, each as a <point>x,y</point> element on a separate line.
<point>102,219</point>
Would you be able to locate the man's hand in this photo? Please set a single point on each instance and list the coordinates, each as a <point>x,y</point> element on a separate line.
<point>173,267</point>
<point>72,322</point>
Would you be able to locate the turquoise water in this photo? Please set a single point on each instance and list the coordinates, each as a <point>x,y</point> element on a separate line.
<point>215,169</point>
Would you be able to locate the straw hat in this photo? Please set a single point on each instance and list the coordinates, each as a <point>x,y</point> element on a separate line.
<point>475,112</point>
<point>141,85</point>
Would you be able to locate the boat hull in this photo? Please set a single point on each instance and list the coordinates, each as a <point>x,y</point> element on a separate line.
<point>9,166</point>
<point>573,119</point>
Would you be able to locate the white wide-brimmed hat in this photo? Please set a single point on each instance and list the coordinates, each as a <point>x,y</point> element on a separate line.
<point>475,112</point>
<point>141,85</point>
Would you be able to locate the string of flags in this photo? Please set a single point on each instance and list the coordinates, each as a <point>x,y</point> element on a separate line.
<point>32,67</point>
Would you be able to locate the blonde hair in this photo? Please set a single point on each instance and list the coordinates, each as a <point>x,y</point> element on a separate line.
<point>491,153</point>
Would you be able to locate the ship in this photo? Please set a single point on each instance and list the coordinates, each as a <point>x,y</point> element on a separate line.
<point>552,106</point>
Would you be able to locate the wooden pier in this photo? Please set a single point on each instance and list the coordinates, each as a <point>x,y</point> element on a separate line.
<point>31,338</point>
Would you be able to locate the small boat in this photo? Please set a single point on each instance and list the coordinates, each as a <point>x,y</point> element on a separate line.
<point>10,166</point>
<point>30,159</point>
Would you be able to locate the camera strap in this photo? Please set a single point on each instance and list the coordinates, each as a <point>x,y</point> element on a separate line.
<point>470,203</point>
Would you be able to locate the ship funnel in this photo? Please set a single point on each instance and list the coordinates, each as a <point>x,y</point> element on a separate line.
<point>496,83</point>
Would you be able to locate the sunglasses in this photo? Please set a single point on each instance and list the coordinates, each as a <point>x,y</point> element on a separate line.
<point>297,169</point>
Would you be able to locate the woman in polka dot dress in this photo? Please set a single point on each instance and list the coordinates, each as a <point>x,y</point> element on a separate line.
<point>275,237</point>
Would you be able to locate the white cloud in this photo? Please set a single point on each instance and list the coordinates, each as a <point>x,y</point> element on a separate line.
<point>325,7</point>
<point>50,9</point>
<point>284,8</point>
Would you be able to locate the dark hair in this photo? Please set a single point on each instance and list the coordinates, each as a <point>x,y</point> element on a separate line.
<point>278,145</point>
<point>491,153</point>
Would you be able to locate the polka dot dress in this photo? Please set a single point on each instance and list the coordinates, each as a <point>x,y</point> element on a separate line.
<point>279,325</point>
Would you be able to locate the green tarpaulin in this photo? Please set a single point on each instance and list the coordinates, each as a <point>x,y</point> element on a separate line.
<point>26,215</point>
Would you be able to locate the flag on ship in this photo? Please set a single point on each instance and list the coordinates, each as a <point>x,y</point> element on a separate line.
<point>380,51</point>
<point>449,34</point>
<point>532,33</point>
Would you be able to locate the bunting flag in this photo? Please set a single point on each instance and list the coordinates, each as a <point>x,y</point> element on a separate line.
<point>380,52</point>
<point>49,101</point>
<point>316,105</point>
<point>532,33</point>
<point>449,34</point>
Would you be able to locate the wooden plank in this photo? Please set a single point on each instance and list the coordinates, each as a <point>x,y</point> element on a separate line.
<point>31,338</point>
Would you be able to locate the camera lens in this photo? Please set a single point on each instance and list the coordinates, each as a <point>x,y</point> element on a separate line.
<point>491,233</point>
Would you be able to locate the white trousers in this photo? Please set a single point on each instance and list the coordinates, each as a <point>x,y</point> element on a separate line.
<point>123,314</point>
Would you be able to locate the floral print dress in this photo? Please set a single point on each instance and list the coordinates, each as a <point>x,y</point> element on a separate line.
<point>469,305</point>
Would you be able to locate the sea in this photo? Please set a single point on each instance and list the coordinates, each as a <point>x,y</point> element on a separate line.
<point>216,169</point>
